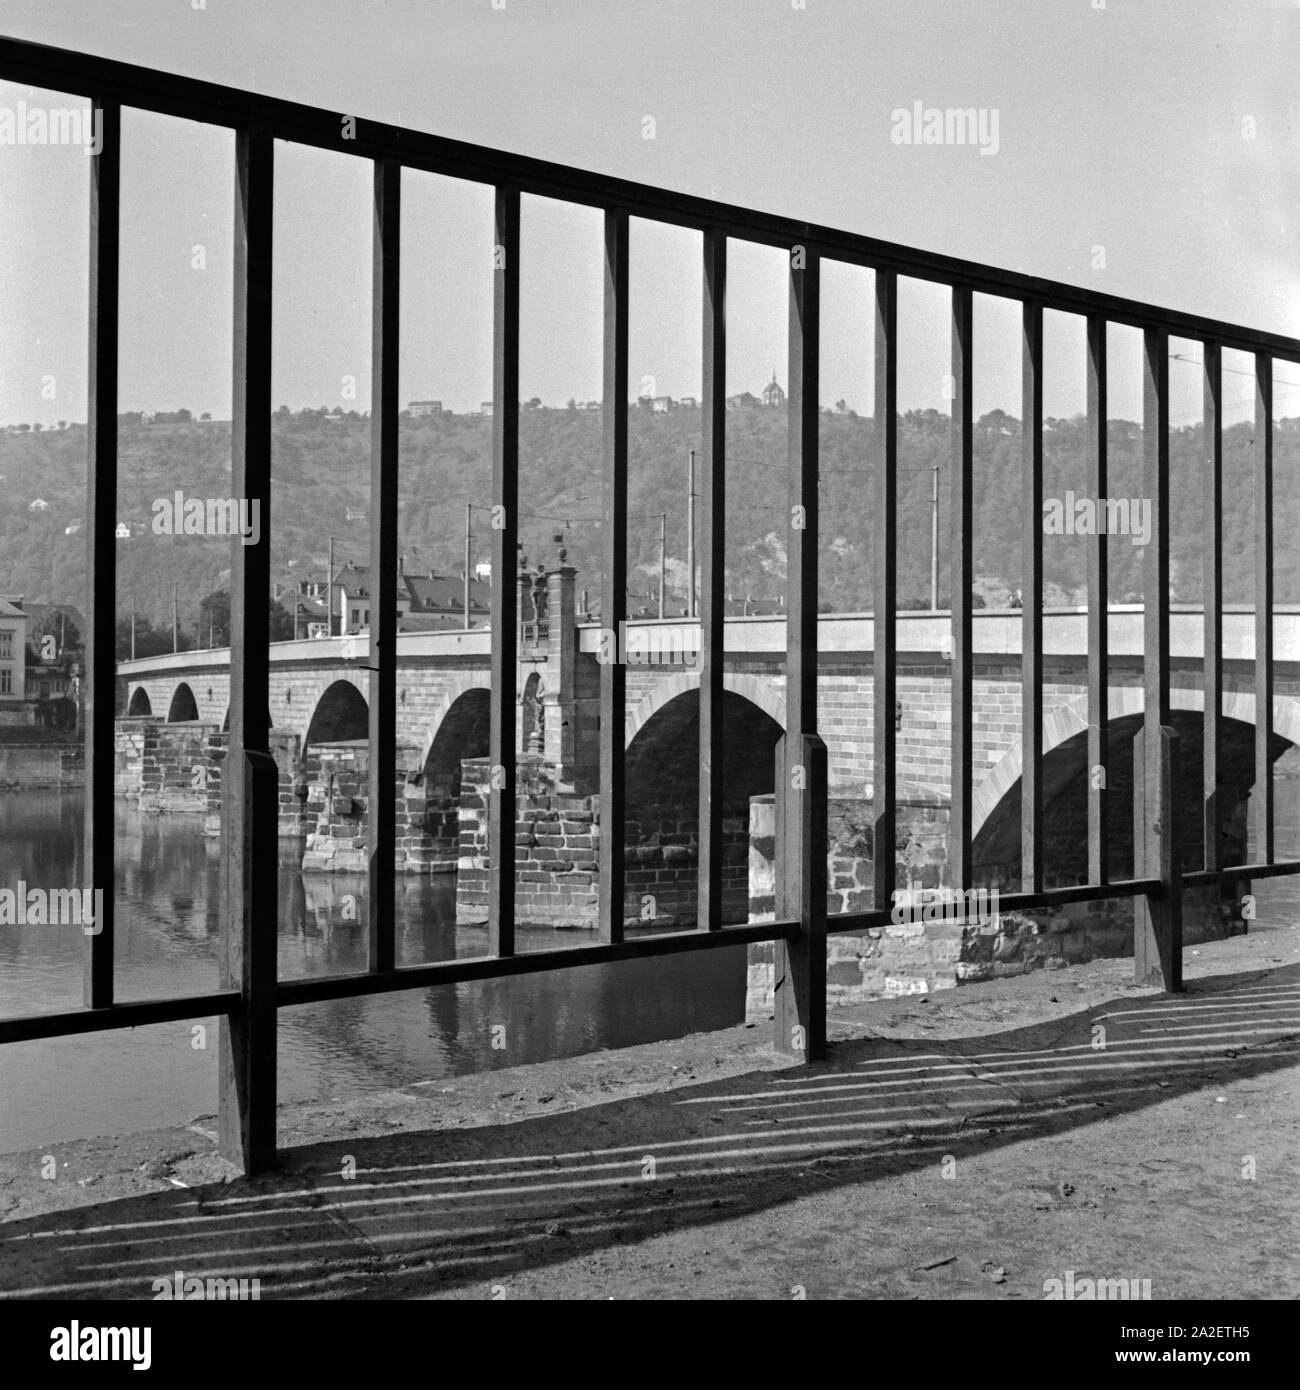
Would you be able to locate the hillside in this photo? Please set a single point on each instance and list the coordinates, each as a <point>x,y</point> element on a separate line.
<point>321,476</point>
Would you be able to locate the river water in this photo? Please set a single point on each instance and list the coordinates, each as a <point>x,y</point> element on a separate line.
<point>167,903</point>
<point>166,943</point>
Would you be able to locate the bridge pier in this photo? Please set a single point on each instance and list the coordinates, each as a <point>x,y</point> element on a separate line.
<point>163,767</point>
<point>335,805</point>
<point>290,784</point>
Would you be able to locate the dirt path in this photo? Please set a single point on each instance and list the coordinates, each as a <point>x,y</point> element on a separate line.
<point>974,1146</point>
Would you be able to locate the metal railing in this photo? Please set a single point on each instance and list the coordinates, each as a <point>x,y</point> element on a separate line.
<point>251,994</point>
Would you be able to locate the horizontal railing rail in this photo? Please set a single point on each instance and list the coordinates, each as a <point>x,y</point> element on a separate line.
<point>251,996</point>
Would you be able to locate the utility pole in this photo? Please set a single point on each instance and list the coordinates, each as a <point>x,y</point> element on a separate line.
<point>469,511</point>
<point>176,618</point>
<point>663,557</point>
<point>329,593</point>
<point>934,538</point>
<point>690,539</point>
<point>133,627</point>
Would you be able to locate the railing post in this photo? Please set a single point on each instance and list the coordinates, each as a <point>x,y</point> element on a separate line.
<point>1261,801</point>
<point>101,556</point>
<point>884,597</point>
<point>1212,609</point>
<point>247,1067</point>
<point>799,1025</point>
<point>801,785</point>
<point>1098,613</point>
<point>505,560</point>
<point>960,555</point>
<point>248,878</point>
<point>1031,603</point>
<point>712,512</point>
<point>1157,917</point>
<point>611,878</point>
<point>381,805</point>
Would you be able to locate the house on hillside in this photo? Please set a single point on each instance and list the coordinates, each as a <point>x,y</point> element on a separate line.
<point>418,408</point>
<point>310,610</point>
<point>438,600</point>
<point>350,591</point>
<point>63,621</point>
<point>425,602</point>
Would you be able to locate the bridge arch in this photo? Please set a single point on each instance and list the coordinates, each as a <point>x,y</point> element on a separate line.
<point>340,713</point>
<point>663,804</point>
<point>663,765</point>
<point>183,708</point>
<point>1070,720</point>
<point>140,704</point>
<point>461,732</point>
<point>459,685</point>
<point>750,688</point>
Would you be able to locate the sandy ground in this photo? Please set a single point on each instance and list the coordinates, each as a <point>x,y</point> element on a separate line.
<point>973,1145</point>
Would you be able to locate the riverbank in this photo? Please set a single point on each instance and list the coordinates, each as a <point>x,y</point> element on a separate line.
<point>973,1144</point>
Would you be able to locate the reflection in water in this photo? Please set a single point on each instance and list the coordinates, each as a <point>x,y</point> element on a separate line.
<point>167,901</point>
<point>167,898</point>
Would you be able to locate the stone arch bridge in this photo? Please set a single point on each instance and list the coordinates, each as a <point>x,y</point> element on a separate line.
<point>171,744</point>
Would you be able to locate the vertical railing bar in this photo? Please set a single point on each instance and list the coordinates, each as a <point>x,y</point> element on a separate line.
<point>799,983</point>
<point>960,520</point>
<point>711,548</point>
<point>248,1036</point>
<point>1262,799</point>
<point>1155,444</point>
<point>884,604</point>
<point>613,602</point>
<point>381,801</point>
<point>802,431</point>
<point>101,564</point>
<point>504,599</point>
<point>1098,615</point>
<point>1031,608</point>
<point>1157,938</point>
<point>1212,603</point>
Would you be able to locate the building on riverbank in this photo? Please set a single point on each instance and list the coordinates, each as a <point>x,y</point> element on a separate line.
<point>13,661</point>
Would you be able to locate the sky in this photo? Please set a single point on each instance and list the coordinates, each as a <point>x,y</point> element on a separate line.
<point>1145,148</point>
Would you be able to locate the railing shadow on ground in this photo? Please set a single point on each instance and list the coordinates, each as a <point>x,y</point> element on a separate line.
<point>439,1209</point>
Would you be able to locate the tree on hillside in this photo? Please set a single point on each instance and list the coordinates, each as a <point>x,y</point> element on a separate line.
<point>149,640</point>
<point>214,619</point>
<point>66,634</point>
